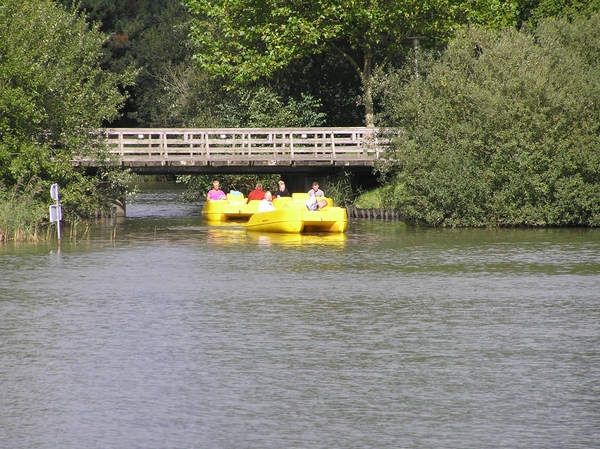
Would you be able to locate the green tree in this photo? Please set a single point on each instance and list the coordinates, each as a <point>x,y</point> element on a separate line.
<point>53,98</point>
<point>125,24</point>
<point>533,11</point>
<point>170,91</point>
<point>123,21</point>
<point>503,130</point>
<point>247,39</point>
<point>262,107</point>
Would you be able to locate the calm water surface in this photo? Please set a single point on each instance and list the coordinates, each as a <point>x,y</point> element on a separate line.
<point>159,331</point>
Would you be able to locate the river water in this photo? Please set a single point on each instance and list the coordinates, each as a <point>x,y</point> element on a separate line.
<point>159,331</point>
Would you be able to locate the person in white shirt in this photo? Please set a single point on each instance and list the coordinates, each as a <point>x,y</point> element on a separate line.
<point>315,191</point>
<point>266,204</point>
<point>313,194</point>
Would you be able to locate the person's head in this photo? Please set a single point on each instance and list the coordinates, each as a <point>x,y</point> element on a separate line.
<point>315,186</point>
<point>259,186</point>
<point>281,186</point>
<point>268,196</point>
<point>216,184</point>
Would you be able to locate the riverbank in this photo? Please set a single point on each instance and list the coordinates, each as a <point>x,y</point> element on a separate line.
<point>375,213</point>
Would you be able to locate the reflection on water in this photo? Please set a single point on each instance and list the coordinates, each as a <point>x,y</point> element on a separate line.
<point>232,235</point>
<point>162,331</point>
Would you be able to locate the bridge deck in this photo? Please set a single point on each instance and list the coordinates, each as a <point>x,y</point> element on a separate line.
<point>189,150</point>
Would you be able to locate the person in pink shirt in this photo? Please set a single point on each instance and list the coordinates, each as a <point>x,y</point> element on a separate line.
<point>216,193</point>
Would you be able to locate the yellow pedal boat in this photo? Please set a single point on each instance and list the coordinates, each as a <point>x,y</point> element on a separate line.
<point>292,216</point>
<point>234,208</point>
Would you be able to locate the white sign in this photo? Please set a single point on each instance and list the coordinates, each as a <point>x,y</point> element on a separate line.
<point>54,192</point>
<point>55,213</point>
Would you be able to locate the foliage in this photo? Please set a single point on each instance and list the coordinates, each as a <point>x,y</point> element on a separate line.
<point>170,91</point>
<point>118,15</point>
<point>323,77</point>
<point>177,95</point>
<point>503,130</point>
<point>123,21</point>
<point>246,39</point>
<point>340,189</point>
<point>536,10</point>
<point>261,107</point>
<point>53,98</point>
<point>152,36</point>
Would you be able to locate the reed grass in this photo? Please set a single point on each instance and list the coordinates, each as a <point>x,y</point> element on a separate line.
<point>22,218</point>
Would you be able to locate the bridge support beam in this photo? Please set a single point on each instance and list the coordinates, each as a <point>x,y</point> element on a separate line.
<point>119,208</point>
<point>362,178</point>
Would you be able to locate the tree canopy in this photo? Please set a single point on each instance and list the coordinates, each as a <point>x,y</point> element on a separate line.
<point>535,10</point>
<point>503,129</point>
<point>54,96</point>
<point>247,39</point>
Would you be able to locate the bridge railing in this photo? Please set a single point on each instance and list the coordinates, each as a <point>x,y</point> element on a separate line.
<point>246,145</point>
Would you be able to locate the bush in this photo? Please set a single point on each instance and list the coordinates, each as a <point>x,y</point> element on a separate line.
<point>503,129</point>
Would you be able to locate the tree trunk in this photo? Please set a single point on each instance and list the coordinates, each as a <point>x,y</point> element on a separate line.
<point>368,102</point>
<point>368,88</point>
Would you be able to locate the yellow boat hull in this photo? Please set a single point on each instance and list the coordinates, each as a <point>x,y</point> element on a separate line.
<point>290,215</point>
<point>294,219</point>
<point>232,209</point>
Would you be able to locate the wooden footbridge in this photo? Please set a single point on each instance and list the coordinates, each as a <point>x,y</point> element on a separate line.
<point>244,150</point>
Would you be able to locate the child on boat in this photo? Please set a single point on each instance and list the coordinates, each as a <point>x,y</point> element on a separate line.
<point>266,203</point>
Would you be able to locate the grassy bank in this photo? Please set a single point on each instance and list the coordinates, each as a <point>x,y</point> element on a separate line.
<point>369,200</point>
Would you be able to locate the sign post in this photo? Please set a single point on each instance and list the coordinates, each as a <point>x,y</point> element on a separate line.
<point>56,210</point>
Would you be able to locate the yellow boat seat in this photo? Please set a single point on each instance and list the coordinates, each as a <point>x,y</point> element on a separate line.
<point>300,196</point>
<point>236,199</point>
